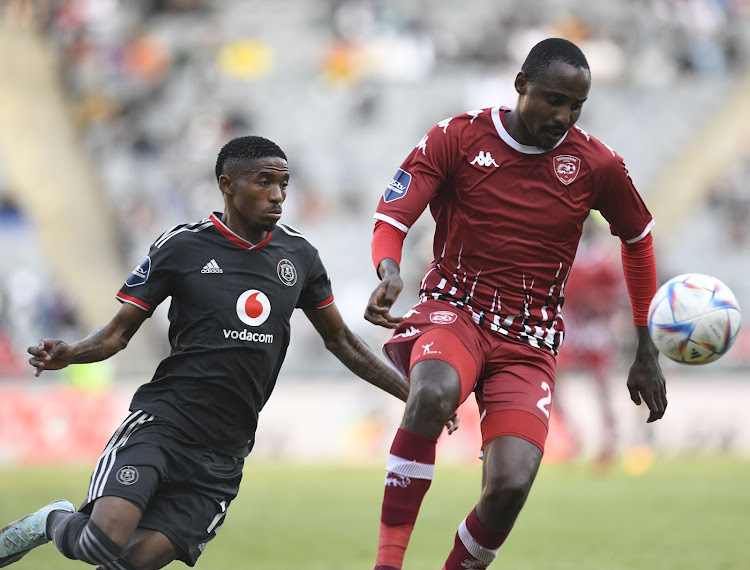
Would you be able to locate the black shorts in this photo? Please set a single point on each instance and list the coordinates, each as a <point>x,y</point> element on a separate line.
<point>182,487</point>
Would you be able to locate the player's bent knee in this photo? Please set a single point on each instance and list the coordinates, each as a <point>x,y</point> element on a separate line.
<point>507,494</point>
<point>150,549</point>
<point>435,385</point>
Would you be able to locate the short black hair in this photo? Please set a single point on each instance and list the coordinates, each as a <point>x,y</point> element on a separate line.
<point>244,149</point>
<point>550,50</point>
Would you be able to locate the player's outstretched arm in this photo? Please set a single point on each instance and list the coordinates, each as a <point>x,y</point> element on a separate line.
<point>354,353</point>
<point>102,343</point>
<point>645,379</point>
<point>384,295</point>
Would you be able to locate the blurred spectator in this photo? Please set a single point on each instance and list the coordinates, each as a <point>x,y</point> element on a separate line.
<point>595,321</point>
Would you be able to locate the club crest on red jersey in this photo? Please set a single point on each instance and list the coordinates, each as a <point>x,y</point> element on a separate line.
<point>287,272</point>
<point>443,317</point>
<point>566,168</point>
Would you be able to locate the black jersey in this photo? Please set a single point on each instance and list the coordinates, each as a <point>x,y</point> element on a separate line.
<point>229,324</point>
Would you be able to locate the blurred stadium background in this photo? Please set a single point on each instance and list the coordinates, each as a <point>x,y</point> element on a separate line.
<point>111,116</point>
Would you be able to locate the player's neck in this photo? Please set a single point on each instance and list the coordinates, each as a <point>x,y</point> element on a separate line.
<point>515,127</point>
<point>254,236</point>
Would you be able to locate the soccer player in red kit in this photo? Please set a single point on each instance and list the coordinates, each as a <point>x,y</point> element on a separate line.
<point>509,190</point>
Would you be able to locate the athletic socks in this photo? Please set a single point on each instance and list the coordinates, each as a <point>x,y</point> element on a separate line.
<point>80,539</point>
<point>475,545</point>
<point>409,472</point>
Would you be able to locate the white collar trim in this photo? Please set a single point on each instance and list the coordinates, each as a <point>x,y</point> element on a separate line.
<point>513,143</point>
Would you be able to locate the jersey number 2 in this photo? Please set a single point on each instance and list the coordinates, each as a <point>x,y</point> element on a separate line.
<point>546,401</point>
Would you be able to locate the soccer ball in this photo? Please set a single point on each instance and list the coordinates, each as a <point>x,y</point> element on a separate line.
<point>694,319</point>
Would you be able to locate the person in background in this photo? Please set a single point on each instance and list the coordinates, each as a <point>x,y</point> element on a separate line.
<point>595,315</point>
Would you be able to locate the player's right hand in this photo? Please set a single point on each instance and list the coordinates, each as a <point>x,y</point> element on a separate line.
<point>381,301</point>
<point>48,354</point>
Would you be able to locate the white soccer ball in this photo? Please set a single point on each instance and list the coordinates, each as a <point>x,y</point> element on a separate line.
<point>694,319</point>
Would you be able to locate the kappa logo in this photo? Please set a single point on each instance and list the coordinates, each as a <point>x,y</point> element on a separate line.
<point>485,159</point>
<point>411,331</point>
<point>212,267</point>
<point>566,168</point>
<point>443,317</point>
<point>444,123</point>
<point>253,307</point>
<point>287,272</point>
<point>427,349</point>
<point>127,475</point>
<point>474,114</point>
<point>422,144</point>
<point>140,273</point>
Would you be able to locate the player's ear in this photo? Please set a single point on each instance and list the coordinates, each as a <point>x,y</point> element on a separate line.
<point>225,183</point>
<point>521,83</point>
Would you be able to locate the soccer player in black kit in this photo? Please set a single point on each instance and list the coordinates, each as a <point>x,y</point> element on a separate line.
<point>166,478</point>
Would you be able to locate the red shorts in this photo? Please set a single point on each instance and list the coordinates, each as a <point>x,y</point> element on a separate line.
<point>514,382</point>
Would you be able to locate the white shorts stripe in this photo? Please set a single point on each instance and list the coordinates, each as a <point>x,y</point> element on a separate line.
<point>409,468</point>
<point>107,459</point>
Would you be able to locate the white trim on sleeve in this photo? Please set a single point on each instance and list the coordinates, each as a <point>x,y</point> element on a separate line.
<point>644,233</point>
<point>389,220</point>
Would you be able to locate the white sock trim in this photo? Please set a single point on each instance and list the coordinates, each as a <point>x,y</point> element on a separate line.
<point>484,555</point>
<point>409,468</point>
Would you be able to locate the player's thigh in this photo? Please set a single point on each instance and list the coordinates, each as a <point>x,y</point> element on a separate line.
<point>440,362</point>
<point>435,330</point>
<point>515,393</point>
<point>191,507</point>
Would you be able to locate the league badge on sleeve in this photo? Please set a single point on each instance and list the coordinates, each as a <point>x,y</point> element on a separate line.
<point>140,273</point>
<point>398,186</point>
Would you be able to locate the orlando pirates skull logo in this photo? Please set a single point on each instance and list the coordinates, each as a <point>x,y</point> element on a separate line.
<point>287,272</point>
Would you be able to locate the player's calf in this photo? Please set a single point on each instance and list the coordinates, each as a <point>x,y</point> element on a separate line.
<point>78,538</point>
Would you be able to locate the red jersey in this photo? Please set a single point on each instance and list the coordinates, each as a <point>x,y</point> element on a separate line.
<point>509,218</point>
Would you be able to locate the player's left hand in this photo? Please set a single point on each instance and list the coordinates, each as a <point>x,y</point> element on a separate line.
<point>452,424</point>
<point>645,379</point>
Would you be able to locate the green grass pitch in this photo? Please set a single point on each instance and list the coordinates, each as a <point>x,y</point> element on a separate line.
<point>682,514</point>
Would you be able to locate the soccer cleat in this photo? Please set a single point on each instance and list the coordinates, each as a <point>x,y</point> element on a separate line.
<point>19,537</point>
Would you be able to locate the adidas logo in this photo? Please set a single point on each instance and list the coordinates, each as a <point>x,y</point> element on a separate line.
<point>212,267</point>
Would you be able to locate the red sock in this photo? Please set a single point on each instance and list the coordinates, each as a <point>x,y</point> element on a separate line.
<point>475,546</point>
<point>409,471</point>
